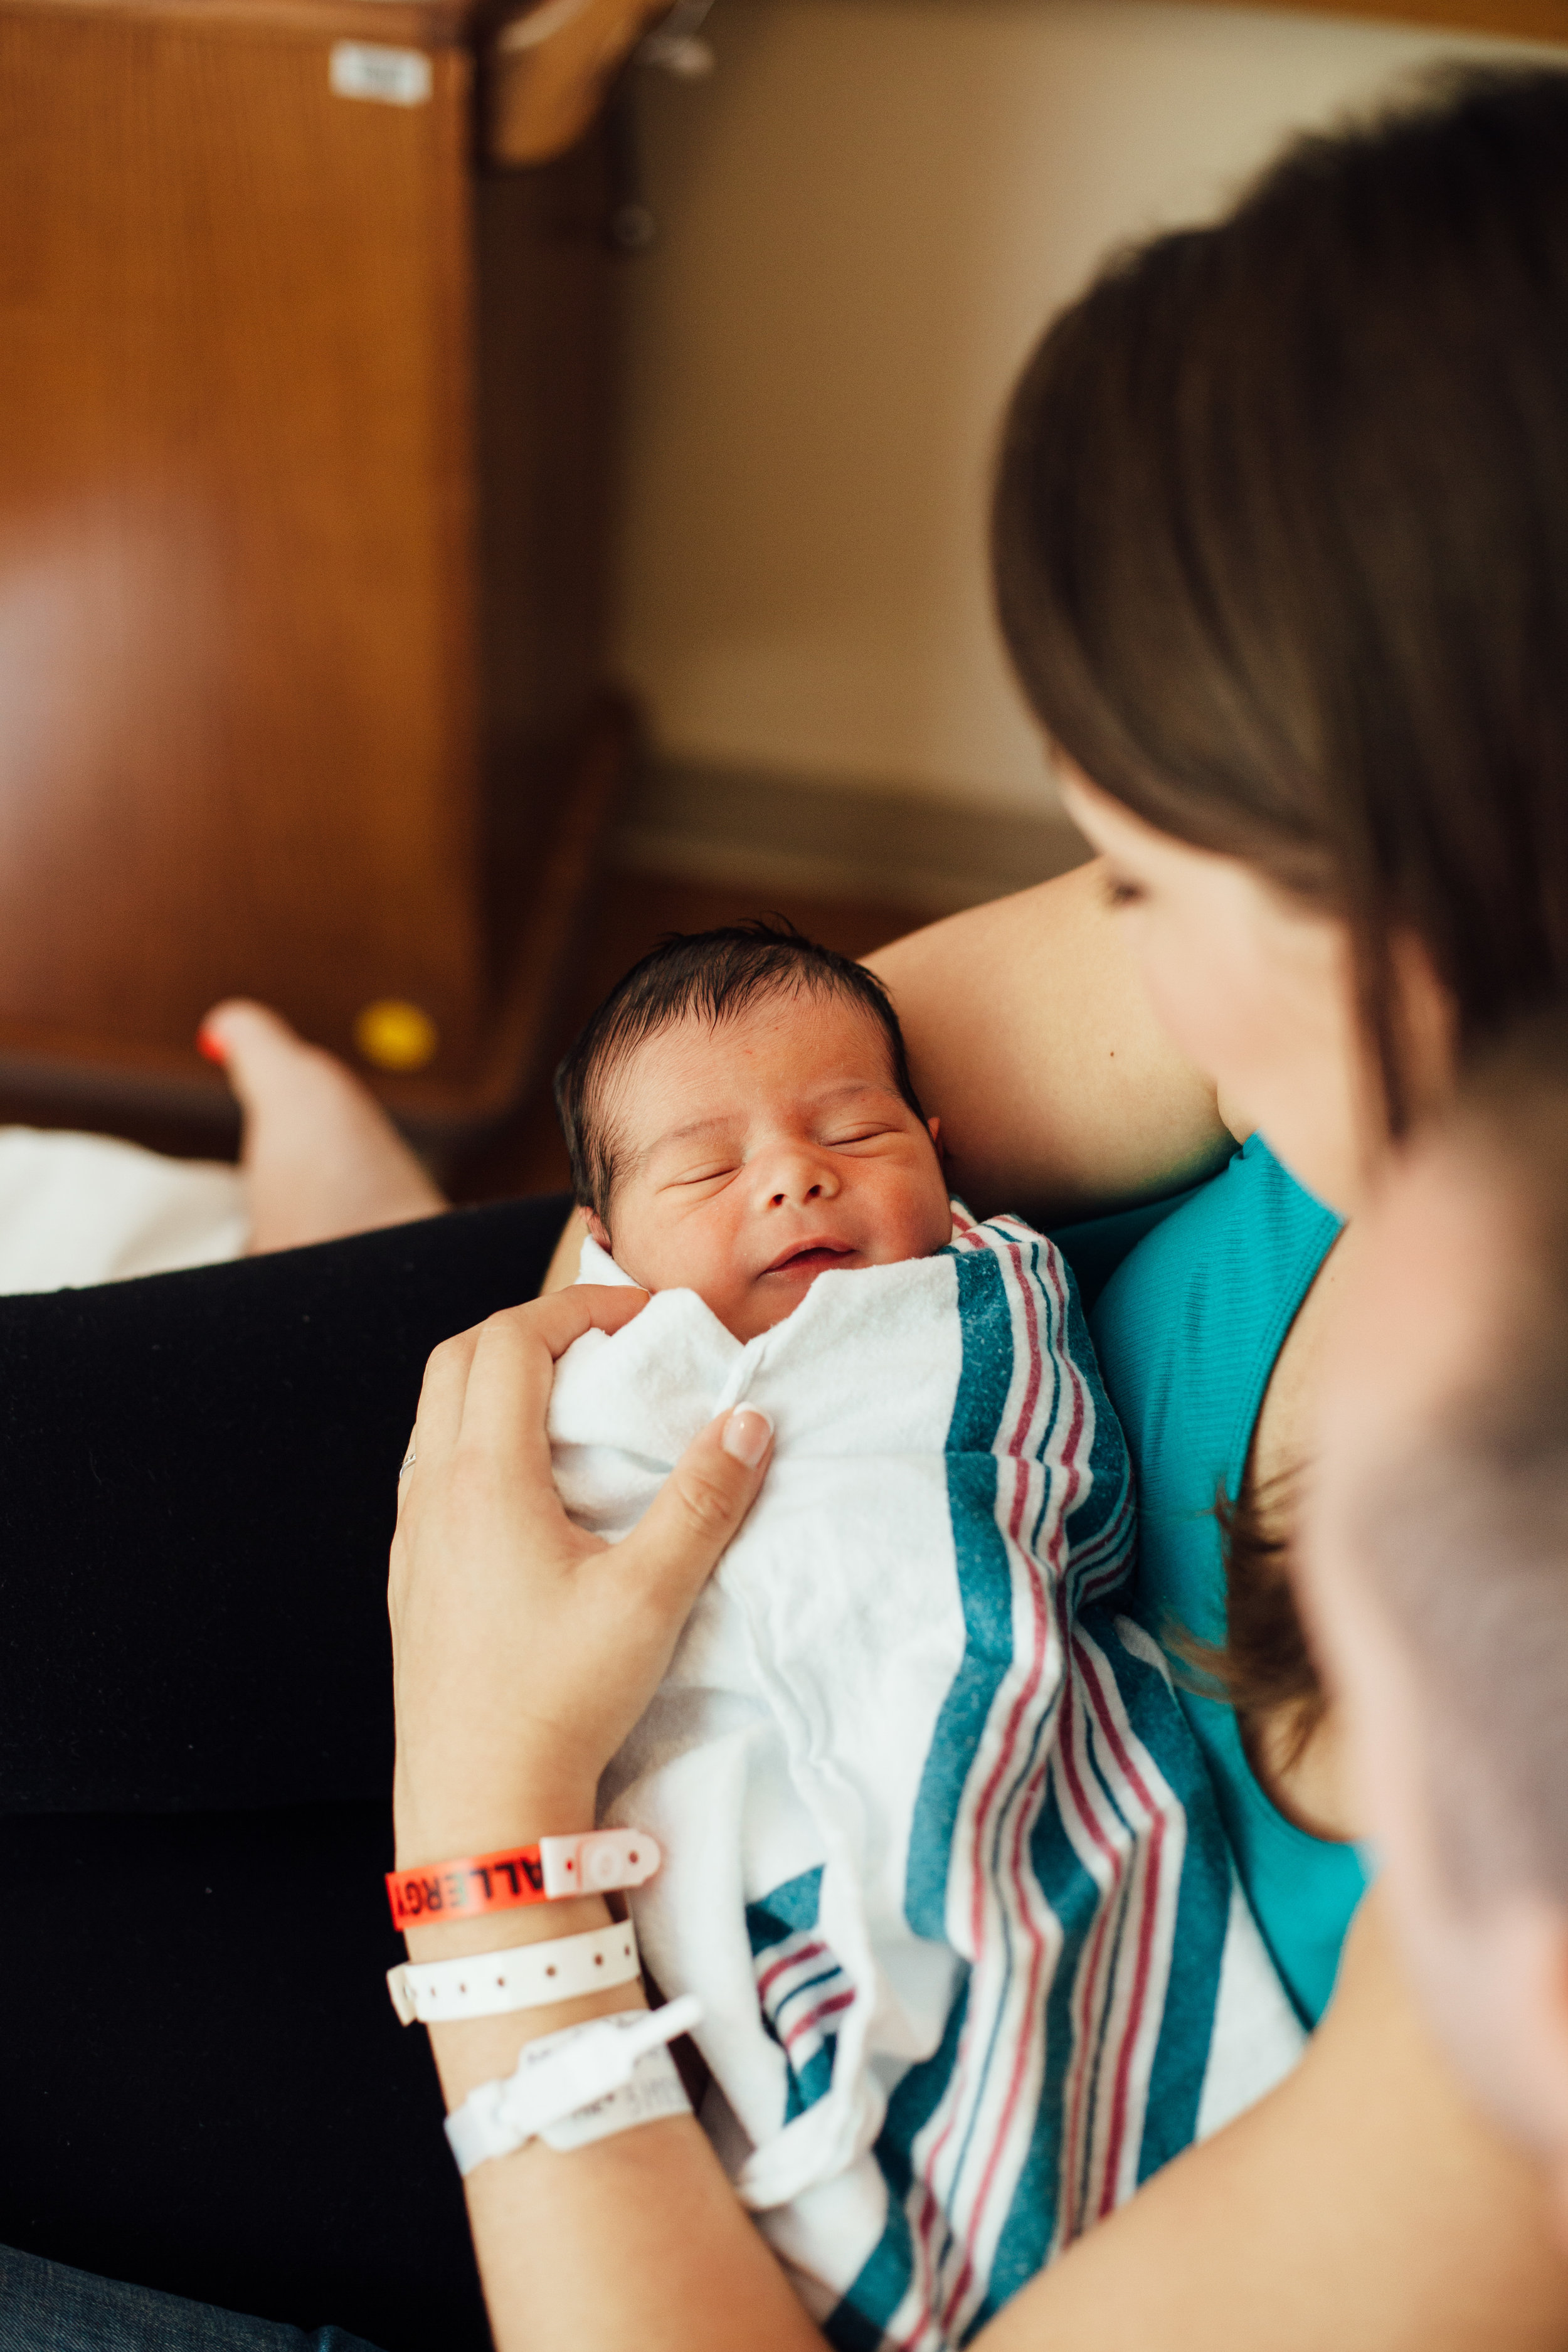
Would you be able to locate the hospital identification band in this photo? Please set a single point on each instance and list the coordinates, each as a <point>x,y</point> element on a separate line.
<point>579,2086</point>
<point>597,1863</point>
<point>533,1976</point>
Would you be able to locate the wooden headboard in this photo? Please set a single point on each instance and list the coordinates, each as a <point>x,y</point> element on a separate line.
<point>1541,20</point>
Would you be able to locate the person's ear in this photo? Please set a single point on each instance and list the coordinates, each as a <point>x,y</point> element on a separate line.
<point>599,1231</point>
<point>933,1128</point>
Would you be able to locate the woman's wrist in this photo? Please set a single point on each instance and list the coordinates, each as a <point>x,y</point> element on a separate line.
<point>432,1832</point>
<point>477,2050</point>
<point>443,1821</point>
<point>480,2049</point>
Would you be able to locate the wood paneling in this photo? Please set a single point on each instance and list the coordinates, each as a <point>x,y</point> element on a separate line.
<point>287,696</point>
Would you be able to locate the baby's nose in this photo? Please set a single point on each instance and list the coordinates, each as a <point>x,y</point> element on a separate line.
<point>797,1180</point>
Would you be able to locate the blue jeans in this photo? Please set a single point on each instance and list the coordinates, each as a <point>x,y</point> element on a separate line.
<point>44,2307</point>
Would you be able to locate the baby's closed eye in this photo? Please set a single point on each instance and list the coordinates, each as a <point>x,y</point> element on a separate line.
<point>710,1172</point>
<point>844,1138</point>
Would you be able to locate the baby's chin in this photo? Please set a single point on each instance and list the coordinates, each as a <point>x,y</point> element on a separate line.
<point>750,1309</point>
<point>771,1298</point>
<point>760,1314</point>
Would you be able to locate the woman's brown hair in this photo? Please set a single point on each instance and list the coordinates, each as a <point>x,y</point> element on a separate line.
<point>1280,550</point>
<point>1280,538</point>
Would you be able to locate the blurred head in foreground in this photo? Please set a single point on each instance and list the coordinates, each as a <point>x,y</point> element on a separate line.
<point>1435,1574</point>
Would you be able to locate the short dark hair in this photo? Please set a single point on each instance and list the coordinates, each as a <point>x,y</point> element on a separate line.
<point>1465,1538</point>
<point>1280,538</point>
<point>717,975</point>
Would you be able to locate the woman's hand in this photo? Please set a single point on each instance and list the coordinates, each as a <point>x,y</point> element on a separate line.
<point>524,1649</point>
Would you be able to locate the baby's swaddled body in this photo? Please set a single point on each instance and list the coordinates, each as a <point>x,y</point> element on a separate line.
<point>942,1864</point>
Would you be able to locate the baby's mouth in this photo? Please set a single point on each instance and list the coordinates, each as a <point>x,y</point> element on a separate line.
<point>814,1258</point>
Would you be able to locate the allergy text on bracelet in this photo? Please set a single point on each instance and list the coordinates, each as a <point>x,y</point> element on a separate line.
<point>597,1862</point>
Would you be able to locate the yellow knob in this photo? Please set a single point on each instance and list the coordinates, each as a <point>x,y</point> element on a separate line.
<point>394,1034</point>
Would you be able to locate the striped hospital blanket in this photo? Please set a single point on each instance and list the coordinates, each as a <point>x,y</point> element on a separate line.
<point>943,1861</point>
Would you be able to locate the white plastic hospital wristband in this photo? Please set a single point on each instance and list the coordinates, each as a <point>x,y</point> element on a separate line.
<point>600,1862</point>
<point>489,1984</point>
<point>563,2078</point>
<point>654,2092</point>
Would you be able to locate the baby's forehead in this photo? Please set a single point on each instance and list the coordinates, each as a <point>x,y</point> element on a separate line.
<point>782,1046</point>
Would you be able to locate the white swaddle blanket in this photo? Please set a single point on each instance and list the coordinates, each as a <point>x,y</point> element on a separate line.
<point>930,1811</point>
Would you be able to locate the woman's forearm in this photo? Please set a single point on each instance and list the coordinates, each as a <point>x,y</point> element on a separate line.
<point>637,2241</point>
<point>634,2244</point>
<point>1030,1035</point>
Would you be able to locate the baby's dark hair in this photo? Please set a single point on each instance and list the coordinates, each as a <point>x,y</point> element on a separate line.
<point>718,975</point>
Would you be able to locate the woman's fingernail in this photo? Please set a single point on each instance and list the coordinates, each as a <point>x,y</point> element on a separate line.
<point>746,1435</point>
<point>208,1044</point>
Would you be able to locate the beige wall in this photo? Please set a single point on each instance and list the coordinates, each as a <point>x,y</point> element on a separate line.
<point>866,214</point>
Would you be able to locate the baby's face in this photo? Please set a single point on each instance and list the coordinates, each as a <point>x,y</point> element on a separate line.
<point>753,1157</point>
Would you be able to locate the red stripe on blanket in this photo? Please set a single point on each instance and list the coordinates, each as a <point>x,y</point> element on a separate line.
<point>790,1960</point>
<point>815,2017</point>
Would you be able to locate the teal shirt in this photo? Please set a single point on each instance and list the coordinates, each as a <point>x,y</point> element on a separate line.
<point>1188,1327</point>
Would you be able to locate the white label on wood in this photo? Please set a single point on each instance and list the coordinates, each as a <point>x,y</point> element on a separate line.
<point>370,69</point>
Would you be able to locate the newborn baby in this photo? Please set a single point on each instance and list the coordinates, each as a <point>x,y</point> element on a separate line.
<point>737,1130</point>
<point>929,1808</point>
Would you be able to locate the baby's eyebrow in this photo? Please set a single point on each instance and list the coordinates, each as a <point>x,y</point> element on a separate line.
<point>683,1135</point>
<point>858,1086</point>
<point>693,1127</point>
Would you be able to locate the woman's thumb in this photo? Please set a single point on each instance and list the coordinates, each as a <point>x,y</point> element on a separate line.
<point>702,1503</point>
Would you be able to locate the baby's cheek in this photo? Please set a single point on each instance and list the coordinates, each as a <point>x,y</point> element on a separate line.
<point>664,1253</point>
<point>926,1225</point>
<point>712,1274</point>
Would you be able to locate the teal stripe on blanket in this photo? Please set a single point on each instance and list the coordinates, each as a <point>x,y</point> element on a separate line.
<point>984,1584</point>
<point>786,1911</point>
<point>1076,2099</point>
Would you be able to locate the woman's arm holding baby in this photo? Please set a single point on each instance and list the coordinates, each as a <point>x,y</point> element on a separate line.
<point>524,1650</point>
<point>1030,1034</point>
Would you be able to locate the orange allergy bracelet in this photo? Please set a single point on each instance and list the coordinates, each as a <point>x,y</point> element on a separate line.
<point>597,1862</point>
